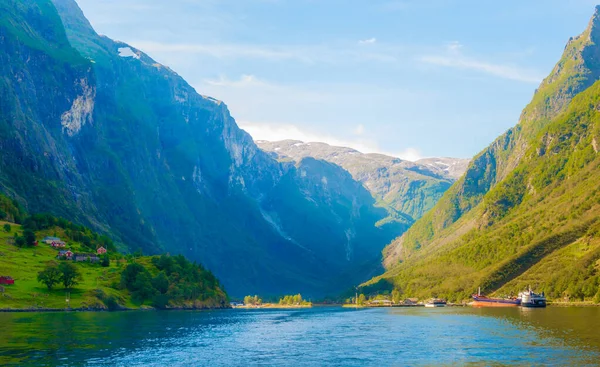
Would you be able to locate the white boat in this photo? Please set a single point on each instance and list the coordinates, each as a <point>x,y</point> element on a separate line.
<point>531,299</point>
<point>436,303</point>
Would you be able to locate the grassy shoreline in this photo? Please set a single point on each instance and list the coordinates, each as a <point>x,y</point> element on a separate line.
<point>98,283</point>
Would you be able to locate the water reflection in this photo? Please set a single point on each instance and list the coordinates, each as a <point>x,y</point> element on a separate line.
<point>332,336</point>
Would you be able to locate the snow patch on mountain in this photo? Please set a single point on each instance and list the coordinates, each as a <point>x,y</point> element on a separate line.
<point>128,52</point>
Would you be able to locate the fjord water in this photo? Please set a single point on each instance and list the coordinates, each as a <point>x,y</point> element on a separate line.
<point>312,337</point>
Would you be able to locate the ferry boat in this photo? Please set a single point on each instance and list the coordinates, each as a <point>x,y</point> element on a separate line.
<point>435,302</point>
<point>483,301</point>
<point>531,299</point>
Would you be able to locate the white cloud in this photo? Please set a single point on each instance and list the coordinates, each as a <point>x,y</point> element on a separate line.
<point>276,132</point>
<point>244,81</point>
<point>368,41</point>
<point>359,129</point>
<point>454,58</point>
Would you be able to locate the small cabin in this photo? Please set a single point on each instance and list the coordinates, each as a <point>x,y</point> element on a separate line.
<point>86,257</point>
<point>67,254</point>
<point>101,251</point>
<point>48,240</point>
<point>6,280</point>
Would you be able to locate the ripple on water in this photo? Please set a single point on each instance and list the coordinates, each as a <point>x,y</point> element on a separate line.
<point>308,337</point>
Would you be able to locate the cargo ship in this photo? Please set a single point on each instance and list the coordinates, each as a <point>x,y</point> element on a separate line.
<point>483,301</point>
<point>531,299</point>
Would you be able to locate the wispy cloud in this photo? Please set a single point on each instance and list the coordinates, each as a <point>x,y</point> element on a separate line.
<point>368,41</point>
<point>307,54</point>
<point>454,58</point>
<point>225,50</point>
<point>282,131</point>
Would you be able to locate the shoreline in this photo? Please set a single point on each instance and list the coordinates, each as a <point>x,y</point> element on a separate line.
<point>272,306</point>
<point>123,309</point>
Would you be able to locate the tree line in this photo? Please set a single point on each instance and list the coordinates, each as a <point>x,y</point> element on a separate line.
<point>177,280</point>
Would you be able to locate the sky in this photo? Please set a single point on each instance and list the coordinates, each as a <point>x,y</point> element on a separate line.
<point>408,78</point>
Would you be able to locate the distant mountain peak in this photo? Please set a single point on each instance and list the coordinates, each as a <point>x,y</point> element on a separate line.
<point>595,21</point>
<point>403,187</point>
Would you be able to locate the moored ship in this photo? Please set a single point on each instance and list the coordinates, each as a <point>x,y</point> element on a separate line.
<point>484,301</point>
<point>436,302</point>
<point>531,299</point>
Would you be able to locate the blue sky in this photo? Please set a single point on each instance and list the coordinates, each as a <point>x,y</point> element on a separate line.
<point>410,78</point>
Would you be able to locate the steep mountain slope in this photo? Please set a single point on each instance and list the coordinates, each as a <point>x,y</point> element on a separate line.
<point>526,205</point>
<point>406,189</point>
<point>97,132</point>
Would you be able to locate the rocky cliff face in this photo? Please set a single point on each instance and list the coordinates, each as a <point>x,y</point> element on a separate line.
<point>96,131</point>
<point>406,189</point>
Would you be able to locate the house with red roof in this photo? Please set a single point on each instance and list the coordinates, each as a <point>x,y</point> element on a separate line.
<point>6,280</point>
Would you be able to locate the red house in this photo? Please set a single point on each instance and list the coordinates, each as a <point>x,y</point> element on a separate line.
<point>101,251</point>
<point>6,280</point>
<point>58,244</point>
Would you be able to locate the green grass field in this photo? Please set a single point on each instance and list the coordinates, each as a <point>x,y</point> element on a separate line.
<point>23,265</point>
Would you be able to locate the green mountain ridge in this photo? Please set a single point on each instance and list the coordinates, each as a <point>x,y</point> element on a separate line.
<point>96,131</point>
<point>525,211</point>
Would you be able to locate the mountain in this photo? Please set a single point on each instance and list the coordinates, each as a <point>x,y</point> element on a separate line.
<point>96,131</point>
<point>525,212</point>
<point>406,189</point>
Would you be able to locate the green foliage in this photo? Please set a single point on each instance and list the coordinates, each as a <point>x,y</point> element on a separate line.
<point>142,288</point>
<point>396,296</point>
<point>29,236</point>
<point>161,283</point>
<point>11,210</point>
<point>50,276</point>
<point>177,281</point>
<point>293,300</point>
<point>105,261</point>
<point>70,274</point>
<point>188,284</point>
<point>362,299</point>
<point>252,301</point>
<point>19,241</point>
<point>90,239</point>
<point>111,302</point>
<point>505,196</point>
<point>7,228</point>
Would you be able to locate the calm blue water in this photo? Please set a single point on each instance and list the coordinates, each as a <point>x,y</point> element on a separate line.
<point>312,337</point>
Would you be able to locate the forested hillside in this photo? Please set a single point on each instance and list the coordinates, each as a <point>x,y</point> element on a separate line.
<point>525,212</point>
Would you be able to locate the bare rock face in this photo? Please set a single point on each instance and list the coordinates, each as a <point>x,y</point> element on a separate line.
<point>407,189</point>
